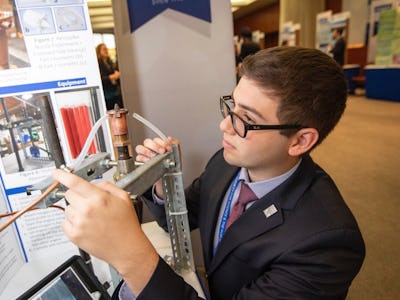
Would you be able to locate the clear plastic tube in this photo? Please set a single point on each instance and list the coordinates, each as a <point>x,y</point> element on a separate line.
<point>100,122</point>
<point>151,126</point>
<point>89,139</point>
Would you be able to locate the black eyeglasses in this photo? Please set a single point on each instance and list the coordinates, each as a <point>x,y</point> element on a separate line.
<point>240,126</point>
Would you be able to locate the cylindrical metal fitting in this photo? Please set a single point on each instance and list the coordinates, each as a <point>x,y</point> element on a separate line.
<point>118,121</point>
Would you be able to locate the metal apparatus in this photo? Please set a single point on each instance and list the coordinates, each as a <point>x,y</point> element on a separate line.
<point>138,180</point>
<point>119,131</point>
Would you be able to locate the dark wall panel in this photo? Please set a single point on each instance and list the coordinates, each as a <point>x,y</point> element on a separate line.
<point>265,19</point>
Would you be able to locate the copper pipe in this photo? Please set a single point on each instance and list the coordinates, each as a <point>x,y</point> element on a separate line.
<point>33,208</point>
<point>51,188</point>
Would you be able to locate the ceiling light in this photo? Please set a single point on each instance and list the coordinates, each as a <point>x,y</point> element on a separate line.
<point>241,2</point>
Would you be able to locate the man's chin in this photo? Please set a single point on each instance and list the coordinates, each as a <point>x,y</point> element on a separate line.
<point>230,159</point>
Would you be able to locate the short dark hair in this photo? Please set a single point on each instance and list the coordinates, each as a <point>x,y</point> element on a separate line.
<point>339,30</point>
<point>246,32</point>
<point>309,84</point>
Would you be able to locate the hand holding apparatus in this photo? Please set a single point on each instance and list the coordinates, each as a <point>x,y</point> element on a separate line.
<point>101,220</point>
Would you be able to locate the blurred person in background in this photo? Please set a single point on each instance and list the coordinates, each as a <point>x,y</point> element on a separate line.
<point>248,45</point>
<point>110,78</point>
<point>339,47</point>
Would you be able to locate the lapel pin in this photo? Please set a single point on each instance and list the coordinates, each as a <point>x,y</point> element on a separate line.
<point>270,210</point>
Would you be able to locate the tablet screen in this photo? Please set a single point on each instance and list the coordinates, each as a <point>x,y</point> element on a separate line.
<point>67,286</point>
<point>71,281</point>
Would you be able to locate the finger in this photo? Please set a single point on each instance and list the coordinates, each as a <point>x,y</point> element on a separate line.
<point>141,158</point>
<point>69,214</point>
<point>76,184</point>
<point>66,227</point>
<point>74,199</point>
<point>156,145</point>
<point>169,142</point>
<point>69,230</point>
<point>112,189</point>
<point>162,143</point>
<point>68,224</point>
<point>145,152</point>
<point>173,140</point>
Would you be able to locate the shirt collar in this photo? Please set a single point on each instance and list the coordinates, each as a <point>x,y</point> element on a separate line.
<point>261,188</point>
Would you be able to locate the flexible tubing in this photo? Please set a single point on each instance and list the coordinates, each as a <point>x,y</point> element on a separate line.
<point>89,139</point>
<point>151,126</point>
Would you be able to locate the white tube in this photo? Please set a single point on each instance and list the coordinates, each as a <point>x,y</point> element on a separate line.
<point>89,139</point>
<point>151,126</point>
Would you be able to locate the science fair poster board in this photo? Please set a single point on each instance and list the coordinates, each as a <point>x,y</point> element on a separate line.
<point>376,8</point>
<point>323,31</point>
<point>289,33</point>
<point>46,52</point>
<point>388,38</point>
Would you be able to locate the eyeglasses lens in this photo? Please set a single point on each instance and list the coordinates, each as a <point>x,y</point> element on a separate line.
<point>237,123</point>
<point>225,109</point>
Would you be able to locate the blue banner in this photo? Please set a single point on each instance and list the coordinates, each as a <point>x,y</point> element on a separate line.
<point>142,11</point>
<point>66,83</point>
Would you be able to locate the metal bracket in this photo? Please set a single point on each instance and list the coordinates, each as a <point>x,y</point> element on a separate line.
<point>91,168</point>
<point>167,166</point>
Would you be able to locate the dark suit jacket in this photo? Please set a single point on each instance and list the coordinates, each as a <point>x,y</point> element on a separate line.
<point>338,50</point>
<point>311,248</point>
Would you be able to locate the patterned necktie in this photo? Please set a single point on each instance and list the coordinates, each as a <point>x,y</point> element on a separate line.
<point>246,195</point>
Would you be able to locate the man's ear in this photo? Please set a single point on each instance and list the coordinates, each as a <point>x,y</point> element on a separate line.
<point>303,141</point>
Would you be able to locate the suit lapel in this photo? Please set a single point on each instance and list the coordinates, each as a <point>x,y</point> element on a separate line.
<point>266,213</point>
<point>252,223</point>
<point>216,195</point>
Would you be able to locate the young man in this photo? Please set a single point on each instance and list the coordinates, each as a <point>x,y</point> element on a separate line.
<point>296,238</point>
